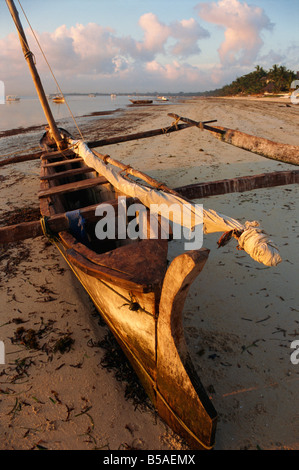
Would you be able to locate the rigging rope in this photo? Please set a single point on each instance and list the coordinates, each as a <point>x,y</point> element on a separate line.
<point>53,75</point>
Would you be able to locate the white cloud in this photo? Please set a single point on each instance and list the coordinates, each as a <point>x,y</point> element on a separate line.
<point>155,34</point>
<point>94,57</point>
<point>243,25</point>
<point>187,33</point>
<point>176,73</point>
<point>93,52</point>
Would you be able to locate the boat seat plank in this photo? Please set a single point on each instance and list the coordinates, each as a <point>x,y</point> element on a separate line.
<point>63,162</point>
<point>105,273</point>
<point>128,263</point>
<point>71,187</point>
<point>68,173</point>
<point>55,155</point>
<point>132,258</point>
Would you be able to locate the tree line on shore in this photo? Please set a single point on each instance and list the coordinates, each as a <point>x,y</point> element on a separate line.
<point>276,80</point>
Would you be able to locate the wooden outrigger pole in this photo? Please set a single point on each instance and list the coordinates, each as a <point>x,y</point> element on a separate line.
<point>107,141</point>
<point>35,76</point>
<point>266,148</point>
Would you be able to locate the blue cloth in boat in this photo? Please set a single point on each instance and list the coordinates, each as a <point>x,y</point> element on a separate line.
<point>77,226</point>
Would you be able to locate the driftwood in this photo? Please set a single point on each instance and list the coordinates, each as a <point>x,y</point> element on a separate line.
<point>266,148</point>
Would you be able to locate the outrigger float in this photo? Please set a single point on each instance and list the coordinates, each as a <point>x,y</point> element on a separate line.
<point>139,296</point>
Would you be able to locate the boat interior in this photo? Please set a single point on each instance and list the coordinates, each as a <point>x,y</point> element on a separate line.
<point>69,185</point>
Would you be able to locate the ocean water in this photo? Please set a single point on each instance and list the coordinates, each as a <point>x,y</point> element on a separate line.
<point>28,111</point>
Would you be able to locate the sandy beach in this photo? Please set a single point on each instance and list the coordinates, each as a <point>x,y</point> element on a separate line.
<point>64,384</point>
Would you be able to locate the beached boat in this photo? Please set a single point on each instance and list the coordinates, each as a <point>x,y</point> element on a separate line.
<point>138,294</point>
<point>141,101</point>
<point>140,298</point>
<point>58,99</point>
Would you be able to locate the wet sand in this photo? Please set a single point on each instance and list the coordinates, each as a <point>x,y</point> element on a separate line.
<point>69,389</point>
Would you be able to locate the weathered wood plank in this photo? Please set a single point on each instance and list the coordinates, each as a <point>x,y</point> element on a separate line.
<point>239,184</point>
<point>20,158</point>
<point>63,162</point>
<point>71,187</point>
<point>127,265</point>
<point>176,376</point>
<point>199,190</point>
<point>68,173</point>
<point>140,135</point>
<point>56,223</point>
<point>100,143</point>
<point>266,148</point>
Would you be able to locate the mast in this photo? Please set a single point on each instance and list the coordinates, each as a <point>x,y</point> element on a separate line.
<point>36,79</point>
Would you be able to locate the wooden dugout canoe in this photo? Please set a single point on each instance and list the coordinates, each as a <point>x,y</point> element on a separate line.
<point>139,297</point>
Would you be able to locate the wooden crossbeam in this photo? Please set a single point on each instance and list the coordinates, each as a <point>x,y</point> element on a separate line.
<point>56,223</point>
<point>68,173</point>
<point>63,162</point>
<point>71,187</point>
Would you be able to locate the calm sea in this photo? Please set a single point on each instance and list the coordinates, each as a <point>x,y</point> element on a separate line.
<point>28,111</point>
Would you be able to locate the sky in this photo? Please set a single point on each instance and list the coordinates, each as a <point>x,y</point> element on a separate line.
<point>170,46</point>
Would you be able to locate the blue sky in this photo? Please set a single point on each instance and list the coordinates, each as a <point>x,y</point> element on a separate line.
<point>153,45</point>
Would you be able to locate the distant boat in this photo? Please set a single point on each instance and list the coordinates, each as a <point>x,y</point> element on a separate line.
<point>113,96</point>
<point>141,101</point>
<point>58,99</point>
<point>91,95</point>
<point>12,98</point>
<point>162,98</point>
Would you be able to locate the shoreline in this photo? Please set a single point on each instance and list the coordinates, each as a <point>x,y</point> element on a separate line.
<point>240,317</point>
<point>25,130</point>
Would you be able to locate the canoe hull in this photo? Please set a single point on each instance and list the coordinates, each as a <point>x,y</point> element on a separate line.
<point>140,298</point>
<point>153,341</point>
